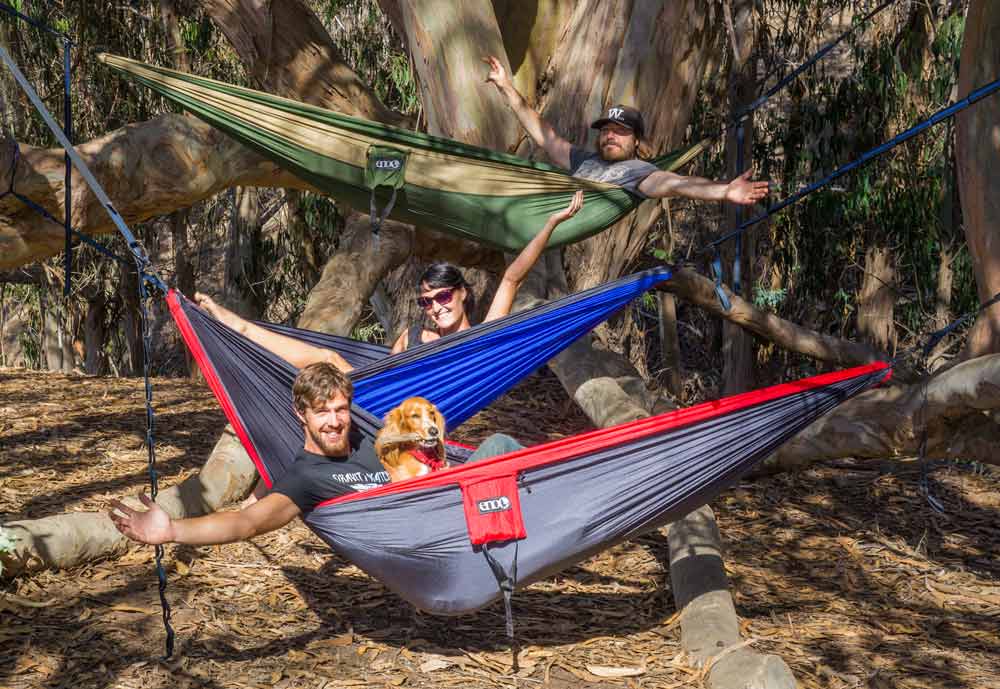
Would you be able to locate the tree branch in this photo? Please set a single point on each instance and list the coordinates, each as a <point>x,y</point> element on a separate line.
<point>691,286</point>
<point>148,169</point>
<point>888,421</point>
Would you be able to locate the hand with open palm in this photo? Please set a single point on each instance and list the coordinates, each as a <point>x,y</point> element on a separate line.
<point>152,526</point>
<point>745,191</point>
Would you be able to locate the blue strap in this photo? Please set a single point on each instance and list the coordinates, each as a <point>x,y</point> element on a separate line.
<point>738,249</point>
<point>4,7</point>
<point>148,284</point>
<point>716,264</point>
<point>938,117</point>
<point>68,180</point>
<point>938,335</point>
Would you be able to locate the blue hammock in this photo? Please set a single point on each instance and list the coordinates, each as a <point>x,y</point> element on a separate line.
<point>460,373</point>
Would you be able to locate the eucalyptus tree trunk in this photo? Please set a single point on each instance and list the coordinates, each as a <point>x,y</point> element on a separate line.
<point>877,299</point>
<point>241,274</point>
<point>977,151</point>
<point>56,327</point>
<point>95,330</point>
<point>178,221</point>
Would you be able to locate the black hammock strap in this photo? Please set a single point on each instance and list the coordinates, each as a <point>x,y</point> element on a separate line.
<point>149,284</point>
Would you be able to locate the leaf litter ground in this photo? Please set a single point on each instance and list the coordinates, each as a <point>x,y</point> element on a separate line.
<point>842,570</point>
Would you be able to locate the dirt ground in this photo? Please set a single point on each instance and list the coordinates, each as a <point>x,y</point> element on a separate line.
<point>843,571</point>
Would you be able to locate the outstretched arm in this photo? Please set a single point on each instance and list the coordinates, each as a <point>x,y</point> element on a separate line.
<point>154,526</point>
<point>522,265</point>
<point>541,132</point>
<point>298,354</point>
<point>741,190</point>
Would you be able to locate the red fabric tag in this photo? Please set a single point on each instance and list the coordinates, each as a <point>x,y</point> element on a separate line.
<point>493,510</point>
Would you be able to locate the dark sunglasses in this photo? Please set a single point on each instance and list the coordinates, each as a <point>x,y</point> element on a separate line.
<point>443,297</point>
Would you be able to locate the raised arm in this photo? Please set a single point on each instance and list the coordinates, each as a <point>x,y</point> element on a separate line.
<point>298,354</point>
<point>541,132</point>
<point>741,190</point>
<point>522,265</point>
<point>154,526</point>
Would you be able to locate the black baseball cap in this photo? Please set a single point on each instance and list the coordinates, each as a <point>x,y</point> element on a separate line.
<point>623,115</point>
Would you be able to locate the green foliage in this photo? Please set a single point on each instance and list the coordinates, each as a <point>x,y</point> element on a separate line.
<point>766,298</point>
<point>893,75</point>
<point>373,49</point>
<point>661,255</point>
<point>369,331</point>
<point>295,254</point>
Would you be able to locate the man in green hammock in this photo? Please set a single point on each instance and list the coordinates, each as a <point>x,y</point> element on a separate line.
<point>617,158</point>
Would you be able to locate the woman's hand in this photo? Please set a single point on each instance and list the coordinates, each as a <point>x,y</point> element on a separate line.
<point>569,211</point>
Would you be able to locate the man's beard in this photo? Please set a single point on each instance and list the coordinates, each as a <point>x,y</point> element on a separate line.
<point>615,153</point>
<point>330,449</point>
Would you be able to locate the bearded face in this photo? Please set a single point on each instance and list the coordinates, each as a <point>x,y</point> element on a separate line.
<point>327,425</point>
<point>616,142</point>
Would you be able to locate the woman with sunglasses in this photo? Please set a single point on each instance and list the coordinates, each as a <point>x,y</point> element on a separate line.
<point>447,299</point>
<point>444,296</point>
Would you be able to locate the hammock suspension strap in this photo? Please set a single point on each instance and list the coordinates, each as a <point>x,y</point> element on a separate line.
<point>507,582</point>
<point>149,284</point>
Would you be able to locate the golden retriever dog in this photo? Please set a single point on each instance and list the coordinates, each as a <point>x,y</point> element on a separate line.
<point>411,443</point>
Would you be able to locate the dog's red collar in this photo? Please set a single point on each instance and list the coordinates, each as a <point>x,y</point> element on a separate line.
<point>431,461</point>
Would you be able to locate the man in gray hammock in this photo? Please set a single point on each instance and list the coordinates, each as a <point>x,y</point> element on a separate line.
<point>335,460</point>
<point>616,160</point>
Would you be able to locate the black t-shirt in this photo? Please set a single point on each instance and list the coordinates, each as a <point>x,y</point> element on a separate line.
<point>314,478</point>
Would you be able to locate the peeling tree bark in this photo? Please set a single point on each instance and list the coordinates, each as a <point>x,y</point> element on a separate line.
<point>738,360</point>
<point>615,51</point>
<point>179,159</point>
<point>287,51</point>
<point>447,48</point>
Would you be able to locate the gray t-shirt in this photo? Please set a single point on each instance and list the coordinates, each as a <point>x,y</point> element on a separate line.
<point>627,174</point>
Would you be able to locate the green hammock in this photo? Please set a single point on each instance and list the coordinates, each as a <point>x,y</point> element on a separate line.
<point>492,198</point>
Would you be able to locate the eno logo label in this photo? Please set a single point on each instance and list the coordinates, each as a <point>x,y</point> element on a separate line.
<point>500,503</point>
<point>388,164</point>
<point>615,113</point>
